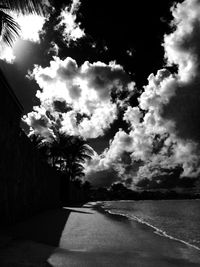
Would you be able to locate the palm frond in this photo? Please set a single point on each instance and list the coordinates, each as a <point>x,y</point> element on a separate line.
<point>67,153</point>
<point>24,6</point>
<point>10,29</point>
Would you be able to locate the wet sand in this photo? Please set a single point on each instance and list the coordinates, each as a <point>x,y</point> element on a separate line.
<point>87,237</point>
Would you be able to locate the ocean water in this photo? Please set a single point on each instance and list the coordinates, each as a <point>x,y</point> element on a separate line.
<point>175,219</point>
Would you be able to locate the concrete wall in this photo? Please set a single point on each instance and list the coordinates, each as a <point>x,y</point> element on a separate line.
<point>27,184</point>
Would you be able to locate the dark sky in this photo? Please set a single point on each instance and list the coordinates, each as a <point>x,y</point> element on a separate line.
<point>144,136</point>
<point>132,26</point>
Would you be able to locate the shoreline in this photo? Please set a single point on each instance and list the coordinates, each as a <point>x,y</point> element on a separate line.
<point>136,242</point>
<point>153,228</point>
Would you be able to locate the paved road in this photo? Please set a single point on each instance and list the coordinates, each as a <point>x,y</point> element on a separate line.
<point>84,237</point>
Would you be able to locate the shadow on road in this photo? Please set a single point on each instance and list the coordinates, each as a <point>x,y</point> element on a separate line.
<point>35,239</point>
<point>44,228</point>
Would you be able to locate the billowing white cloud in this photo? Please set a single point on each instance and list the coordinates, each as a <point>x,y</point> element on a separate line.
<point>7,54</point>
<point>164,129</point>
<point>182,49</point>
<point>182,46</point>
<point>115,160</point>
<point>40,122</point>
<point>68,19</point>
<point>85,90</point>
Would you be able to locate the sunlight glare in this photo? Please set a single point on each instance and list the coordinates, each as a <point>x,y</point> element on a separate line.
<point>31,25</point>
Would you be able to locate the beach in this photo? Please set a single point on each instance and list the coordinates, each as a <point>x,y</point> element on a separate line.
<point>87,236</point>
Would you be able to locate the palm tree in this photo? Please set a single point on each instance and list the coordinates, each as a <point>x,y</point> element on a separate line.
<point>77,154</point>
<point>40,144</point>
<point>69,153</point>
<point>58,145</point>
<point>23,6</point>
<point>9,28</point>
<point>64,152</point>
<point>50,149</point>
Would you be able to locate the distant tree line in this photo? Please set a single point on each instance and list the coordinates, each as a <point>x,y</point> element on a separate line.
<point>120,192</point>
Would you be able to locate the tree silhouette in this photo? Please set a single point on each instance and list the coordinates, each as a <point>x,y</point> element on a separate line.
<point>39,143</point>
<point>64,152</point>
<point>23,6</point>
<point>76,155</point>
<point>9,28</point>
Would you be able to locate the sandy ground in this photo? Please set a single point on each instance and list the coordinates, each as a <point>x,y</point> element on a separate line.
<point>85,237</point>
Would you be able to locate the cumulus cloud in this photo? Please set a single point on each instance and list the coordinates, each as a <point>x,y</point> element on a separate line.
<point>164,130</point>
<point>71,29</point>
<point>182,49</point>
<point>85,89</point>
<point>116,159</point>
<point>7,54</point>
<point>40,122</point>
<point>121,143</point>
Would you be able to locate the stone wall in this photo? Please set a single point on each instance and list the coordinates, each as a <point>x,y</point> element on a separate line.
<point>27,184</point>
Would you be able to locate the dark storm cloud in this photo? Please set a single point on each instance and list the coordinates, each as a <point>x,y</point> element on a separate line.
<point>104,178</point>
<point>167,179</point>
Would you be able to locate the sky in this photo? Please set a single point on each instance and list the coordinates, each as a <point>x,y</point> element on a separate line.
<point>123,76</point>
